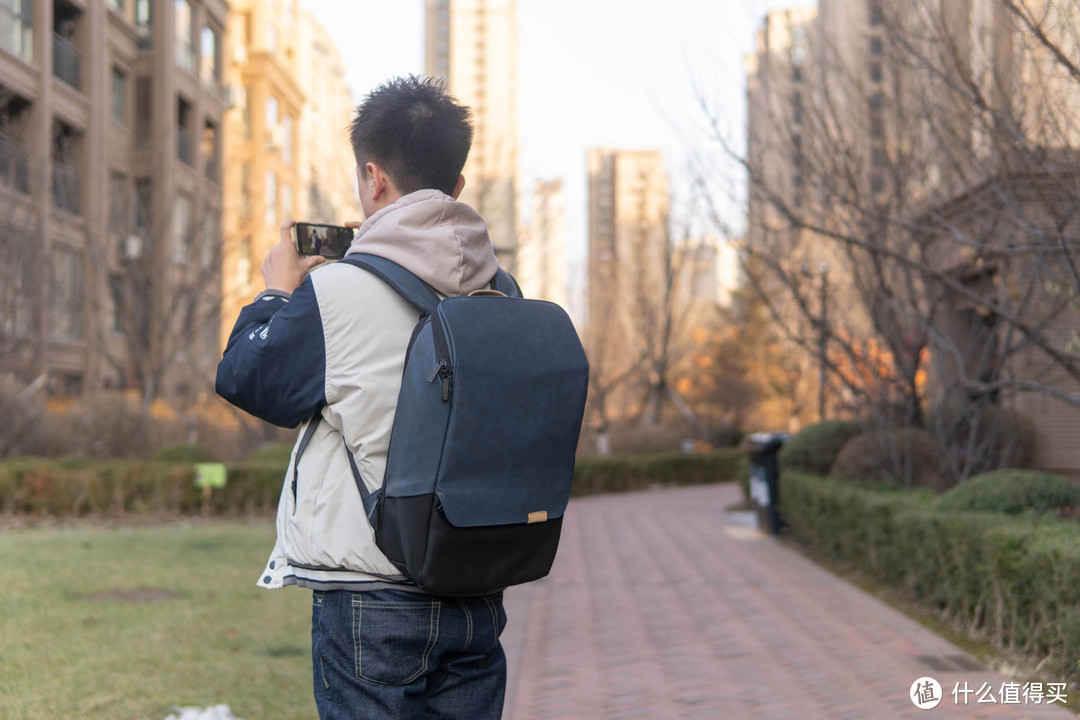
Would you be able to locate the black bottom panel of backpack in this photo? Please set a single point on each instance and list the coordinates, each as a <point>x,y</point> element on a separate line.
<point>442,559</point>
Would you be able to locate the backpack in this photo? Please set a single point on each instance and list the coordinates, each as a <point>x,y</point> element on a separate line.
<point>482,448</point>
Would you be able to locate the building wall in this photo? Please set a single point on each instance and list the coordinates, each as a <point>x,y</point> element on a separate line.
<point>473,45</point>
<point>114,122</point>
<point>541,263</point>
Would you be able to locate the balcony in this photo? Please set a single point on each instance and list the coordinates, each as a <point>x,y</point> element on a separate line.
<point>184,145</point>
<point>65,187</point>
<point>14,164</point>
<point>66,61</point>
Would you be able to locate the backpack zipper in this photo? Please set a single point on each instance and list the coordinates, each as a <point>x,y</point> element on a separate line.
<point>442,355</point>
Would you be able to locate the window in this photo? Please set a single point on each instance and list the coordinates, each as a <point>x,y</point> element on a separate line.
<point>118,204</point>
<point>15,288</point>
<point>877,101</point>
<point>877,183</point>
<point>243,263</point>
<point>271,38</point>
<point>144,198</point>
<point>144,109</point>
<point>875,71</point>
<point>211,253</point>
<point>796,108</point>
<point>286,139</point>
<point>210,150</point>
<point>208,59</point>
<point>878,158</point>
<point>271,111</point>
<point>247,112</point>
<point>66,295</point>
<point>185,51</point>
<point>17,28</point>
<point>286,200</point>
<point>875,46</point>
<point>245,190</point>
<point>875,12</point>
<point>118,297</point>
<point>143,22</point>
<point>796,74</point>
<point>270,213</point>
<point>182,240</point>
<point>119,96</point>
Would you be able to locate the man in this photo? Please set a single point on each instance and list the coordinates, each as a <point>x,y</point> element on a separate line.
<point>333,343</point>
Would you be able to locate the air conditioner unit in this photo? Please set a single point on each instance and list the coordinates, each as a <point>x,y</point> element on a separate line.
<point>235,97</point>
<point>133,246</point>
<point>277,137</point>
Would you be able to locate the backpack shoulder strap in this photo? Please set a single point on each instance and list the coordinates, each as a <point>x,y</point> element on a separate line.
<point>414,290</point>
<point>505,283</point>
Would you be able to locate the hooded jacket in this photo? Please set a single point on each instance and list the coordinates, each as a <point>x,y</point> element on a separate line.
<point>337,347</point>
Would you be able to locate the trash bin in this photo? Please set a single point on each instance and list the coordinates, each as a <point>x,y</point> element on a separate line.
<point>765,477</point>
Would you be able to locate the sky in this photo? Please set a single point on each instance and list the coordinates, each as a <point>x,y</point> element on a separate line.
<point>592,73</point>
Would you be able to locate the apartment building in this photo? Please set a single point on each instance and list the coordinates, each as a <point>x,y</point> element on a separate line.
<point>628,214</point>
<point>473,45</point>
<point>110,187</point>
<point>541,263</point>
<point>940,133</point>
<point>262,171</point>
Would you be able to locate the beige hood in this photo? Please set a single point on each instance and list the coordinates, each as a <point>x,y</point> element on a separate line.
<point>442,241</point>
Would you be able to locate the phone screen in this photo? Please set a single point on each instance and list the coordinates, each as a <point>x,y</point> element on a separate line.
<point>330,241</point>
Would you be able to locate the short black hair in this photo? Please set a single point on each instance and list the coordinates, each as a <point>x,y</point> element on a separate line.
<point>415,131</point>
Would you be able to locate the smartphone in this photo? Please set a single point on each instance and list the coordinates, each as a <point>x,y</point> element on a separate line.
<point>330,241</point>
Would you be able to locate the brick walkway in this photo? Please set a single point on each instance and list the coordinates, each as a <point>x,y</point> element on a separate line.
<point>661,605</point>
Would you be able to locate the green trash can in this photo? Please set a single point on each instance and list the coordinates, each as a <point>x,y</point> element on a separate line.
<point>764,449</point>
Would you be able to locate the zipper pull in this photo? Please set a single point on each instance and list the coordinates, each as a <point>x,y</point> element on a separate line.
<point>444,372</point>
<point>435,372</point>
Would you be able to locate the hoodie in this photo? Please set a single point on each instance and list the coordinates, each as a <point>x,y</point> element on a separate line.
<point>337,347</point>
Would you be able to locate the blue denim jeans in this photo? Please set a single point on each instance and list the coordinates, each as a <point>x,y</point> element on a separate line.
<point>400,655</point>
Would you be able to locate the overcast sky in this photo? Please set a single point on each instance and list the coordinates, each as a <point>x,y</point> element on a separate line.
<point>592,73</point>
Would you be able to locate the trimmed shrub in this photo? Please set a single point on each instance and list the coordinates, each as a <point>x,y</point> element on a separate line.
<point>1012,492</point>
<point>892,457</point>
<point>1012,582</point>
<point>273,452</point>
<point>623,473</point>
<point>185,452</point>
<point>814,448</point>
<point>77,487</point>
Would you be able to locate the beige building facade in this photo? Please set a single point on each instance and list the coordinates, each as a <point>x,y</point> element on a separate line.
<point>541,261</point>
<point>110,184</point>
<point>287,154</point>
<point>473,44</point>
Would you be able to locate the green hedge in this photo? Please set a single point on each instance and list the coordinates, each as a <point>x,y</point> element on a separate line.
<point>621,473</point>
<point>76,487</point>
<point>1012,492</point>
<point>1012,581</point>
<point>814,448</point>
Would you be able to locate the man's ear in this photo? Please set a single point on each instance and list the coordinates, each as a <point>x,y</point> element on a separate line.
<point>378,180</point>
<point>458,187</point>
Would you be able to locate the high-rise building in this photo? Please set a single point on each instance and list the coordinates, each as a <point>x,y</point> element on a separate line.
<point>628,214</point>
<point>541,262</point>
<point>110,193</point>
<point>473,45</point>
<point>287,151</point>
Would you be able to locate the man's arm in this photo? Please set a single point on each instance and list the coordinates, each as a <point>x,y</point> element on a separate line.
<point>274,365</point>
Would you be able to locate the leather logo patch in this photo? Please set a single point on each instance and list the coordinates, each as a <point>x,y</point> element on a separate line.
<point>538,517</point>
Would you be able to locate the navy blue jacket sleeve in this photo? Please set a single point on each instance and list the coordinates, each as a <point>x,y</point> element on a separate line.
<point>274,365</point>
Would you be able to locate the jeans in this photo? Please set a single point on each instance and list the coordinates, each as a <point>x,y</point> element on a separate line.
<point>401,655</point>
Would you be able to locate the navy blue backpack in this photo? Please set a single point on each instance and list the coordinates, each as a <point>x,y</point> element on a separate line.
<point>482,448</point>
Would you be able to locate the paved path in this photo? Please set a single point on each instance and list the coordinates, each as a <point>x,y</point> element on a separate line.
<point>661,605</point>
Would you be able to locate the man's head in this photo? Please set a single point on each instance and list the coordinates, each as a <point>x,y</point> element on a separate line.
<point>409,135</point>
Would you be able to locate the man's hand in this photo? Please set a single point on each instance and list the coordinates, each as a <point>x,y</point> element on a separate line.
<point>283,269</point>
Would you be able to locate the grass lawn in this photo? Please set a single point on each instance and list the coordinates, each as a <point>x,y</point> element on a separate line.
<point>125,623</point>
